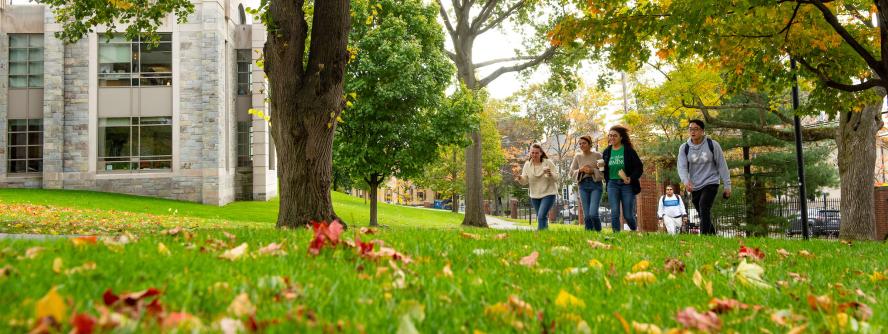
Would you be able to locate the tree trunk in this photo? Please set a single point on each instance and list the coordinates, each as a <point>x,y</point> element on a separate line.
<point>474,186</point>
<point>303,98</point>
<point>454,203</point>
<point>374,188</point>
<point>856,142</point>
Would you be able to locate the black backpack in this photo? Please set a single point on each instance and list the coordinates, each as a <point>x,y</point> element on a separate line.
<point>687,148</point>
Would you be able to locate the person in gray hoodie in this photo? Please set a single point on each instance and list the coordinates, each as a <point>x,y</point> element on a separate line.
<point>701,164</point>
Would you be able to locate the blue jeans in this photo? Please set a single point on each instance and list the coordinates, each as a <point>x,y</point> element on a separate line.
<point>590,196</point>
<point>621,193</point>
<point>542,207</point>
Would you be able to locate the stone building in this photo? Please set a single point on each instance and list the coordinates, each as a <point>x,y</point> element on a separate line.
<point>111,114</point>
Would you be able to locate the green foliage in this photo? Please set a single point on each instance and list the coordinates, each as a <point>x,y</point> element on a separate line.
<point>141,17</point>
<point>399,117</point>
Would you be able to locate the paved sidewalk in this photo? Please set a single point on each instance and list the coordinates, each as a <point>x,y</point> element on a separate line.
<point>502,224</point>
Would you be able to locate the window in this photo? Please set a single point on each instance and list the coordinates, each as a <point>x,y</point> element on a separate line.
<point>135,144</point>
<point>125,63</point>
<point>26,61</point>
<point>244,71</point>
<point>244,144</point>
<point>25,146</point>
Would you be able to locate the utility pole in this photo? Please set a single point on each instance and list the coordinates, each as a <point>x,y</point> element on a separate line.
<point>800,160</point>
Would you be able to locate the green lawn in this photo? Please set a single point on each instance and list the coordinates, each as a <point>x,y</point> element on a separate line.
<point>459,280</point>
<point>352,209</point>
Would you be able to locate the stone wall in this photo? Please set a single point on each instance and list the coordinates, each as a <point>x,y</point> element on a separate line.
<point>4,95</point>
<point>75,147</point>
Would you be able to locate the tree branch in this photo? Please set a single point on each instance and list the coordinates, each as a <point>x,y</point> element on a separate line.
<point>837,85</point>
<point>447,23</point>
<point>502,17</point>
<point>485,13</point>
<point>451,55</point>
<point>502,60</point>
<point>830,18</point>
<point>786,134</point>
<point>856,13</point>
<point>502,70</point>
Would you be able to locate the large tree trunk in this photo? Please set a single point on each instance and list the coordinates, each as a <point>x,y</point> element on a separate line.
<point>474,186</point>
<point>374,188</point>
<point>454,203</point>
<point>303,98</point>
<point>856,142</point>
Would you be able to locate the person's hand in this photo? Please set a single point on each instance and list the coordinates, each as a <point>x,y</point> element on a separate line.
<point>727,193</point>
<point>623,176</point>
<point>689,187</point>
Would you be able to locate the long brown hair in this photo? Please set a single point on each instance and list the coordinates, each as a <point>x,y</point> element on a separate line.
<point>624,135</point>
<point>543,155</point>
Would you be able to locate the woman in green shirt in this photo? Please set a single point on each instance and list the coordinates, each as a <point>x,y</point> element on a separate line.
<point>622,171</point>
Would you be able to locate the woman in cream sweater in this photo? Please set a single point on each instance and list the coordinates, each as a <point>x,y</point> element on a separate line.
<point>585,170</point>
<point>539,174</point>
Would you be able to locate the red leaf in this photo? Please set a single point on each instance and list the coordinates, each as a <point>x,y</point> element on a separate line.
<point>751,253</point>
<point>724,305</point>
<point>109,297</point>
<point>83,324</point>
<point>333,232</point>
<point>705,322</point>
<point>323,233</point>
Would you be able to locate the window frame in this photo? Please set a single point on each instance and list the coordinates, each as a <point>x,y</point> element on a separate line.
<point>28,51</point>
<point>135,76</point>
<point>28,130</point>
<point>245,144</point>
<point>243,56</point>
<point>135,161</point>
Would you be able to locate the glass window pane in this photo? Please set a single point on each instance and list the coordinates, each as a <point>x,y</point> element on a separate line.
<point>18,68</point>
<point>243,67</point>
<point>243,55</point>
<point>156,60</point>
<point>36,40</point>
<point>117,165</point>
<point>17,166</point>
<point>35,166</point>
<point>243,89</point>
<point>155,82</point>
<point>114,141</point>
<point>17,55</point>
<point>114,38</point>
<point>115,58</point>
<point>35,54</point>
<point>156,164</point>
<point>35,152</point>
<point>18,138</point>
<point>35,67</point>
<point>114,80</point>
<point>243,78</point>
<point>18,41</point>
<point>18,152</point>
<point>156,120</point>
<point>155,141</point>
<point>35,124</point>
<point>18,125</point>
<point>35,138</point>
<point>119,121</point>
<point>18,81</point>
<point>35,81</point>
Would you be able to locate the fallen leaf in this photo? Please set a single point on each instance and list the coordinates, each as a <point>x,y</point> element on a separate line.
<point>798,277</point>
<point>324,234</point>
<point>181,320</point>
<point>469,236</point>
<point>406,326</point>
<point>500,236</point>
<point>273,248</point>
<point>705,322</point>
<point>231,326</point>
<point>84,241</point>
<point>783,253</point>
<point>674,266</point>
<point>750,274</point>
<point>6,270</point>
<point>367,230</point>
<point>51,305</point>
<point>583,327</point>
<point>646,328</point>
<point>725,305</point>
<point>530,260</point>
<point>642,277</point>
<point>820,303</point>
<point>698,279</point>
<point>235,253</point>
<point>641,266</point>
<point>861,311</point>
<point>162,249</point>
<point>446,271</point>
<point>82,323</point>
<point>593,263</point>
<point>751,253</point>
<point>57,265</point>
<point>806,254</point>
<point>241,306</point>
<point>786,318</point>
<point>877,276</point>
<point>87,266</point>
<point>33,252</point>
<point>231,237</point>
<point>567,300</point>
<point>596,244</point>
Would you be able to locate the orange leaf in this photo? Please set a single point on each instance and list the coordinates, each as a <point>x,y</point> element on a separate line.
<point>530,260</point>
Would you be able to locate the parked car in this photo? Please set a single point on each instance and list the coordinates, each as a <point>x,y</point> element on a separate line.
<point>795,225</point>
<point>821,222</point>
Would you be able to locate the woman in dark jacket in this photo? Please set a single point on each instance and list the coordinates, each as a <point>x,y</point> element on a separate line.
<point>622,171</point>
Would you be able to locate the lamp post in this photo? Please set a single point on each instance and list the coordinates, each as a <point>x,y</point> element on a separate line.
<point>800,160</point>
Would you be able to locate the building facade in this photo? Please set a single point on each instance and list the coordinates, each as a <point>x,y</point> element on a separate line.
<point>166,119</point>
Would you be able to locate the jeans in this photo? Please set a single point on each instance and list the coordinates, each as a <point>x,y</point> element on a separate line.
<point>590,196</point>
<point>621,193</point>
<point>542,207</point>
<point>703,200</point>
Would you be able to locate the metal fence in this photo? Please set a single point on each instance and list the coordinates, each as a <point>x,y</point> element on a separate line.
<point>777,217</point>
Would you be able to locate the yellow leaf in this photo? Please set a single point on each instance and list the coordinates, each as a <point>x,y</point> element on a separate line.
<point>698,279</point>
<point>51,305</point>
<point>750,274</point>
<point>641,266</point>
<point>446,271</point>
<point>593,263</point>
<point>235,253</point>
<point>583,327</point>
<point>607,283</point>
<point>162,249</point>
<point>643,277</point>
<point>646,328</point>
<point>241,306</point>
<point>567,300</point>
<point>57,265</point>
<point>878,277</point>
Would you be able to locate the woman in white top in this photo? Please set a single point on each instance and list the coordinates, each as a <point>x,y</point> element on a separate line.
<point>539,174</point>
<point>671,211</point>
<point>585,170</point>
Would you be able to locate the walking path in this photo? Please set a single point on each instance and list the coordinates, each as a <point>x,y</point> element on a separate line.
<point>502,224</point>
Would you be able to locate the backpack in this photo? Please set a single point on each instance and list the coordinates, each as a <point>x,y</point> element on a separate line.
<point>687,148</point>
<point>663,200</point>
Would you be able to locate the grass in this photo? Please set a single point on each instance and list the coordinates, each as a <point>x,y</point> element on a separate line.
<point>826,286</point>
